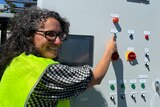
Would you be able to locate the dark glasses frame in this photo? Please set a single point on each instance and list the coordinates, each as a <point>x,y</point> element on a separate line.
<point>52,35</point>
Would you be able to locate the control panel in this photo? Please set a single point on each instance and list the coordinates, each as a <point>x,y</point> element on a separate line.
<point>133,78</point>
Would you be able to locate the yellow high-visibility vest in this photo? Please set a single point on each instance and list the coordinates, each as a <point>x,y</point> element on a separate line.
<point>20,79</point>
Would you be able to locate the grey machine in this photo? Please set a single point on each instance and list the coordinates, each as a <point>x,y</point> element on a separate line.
<point>133,80</point>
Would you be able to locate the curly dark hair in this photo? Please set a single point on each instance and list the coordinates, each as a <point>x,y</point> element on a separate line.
<point>21,33</point>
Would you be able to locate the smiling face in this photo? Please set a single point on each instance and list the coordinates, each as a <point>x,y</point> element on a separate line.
<point>47,48</point>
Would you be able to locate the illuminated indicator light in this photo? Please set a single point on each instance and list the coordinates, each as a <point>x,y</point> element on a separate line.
<point>115,56</point>
<point>147,37</point>
<point>112,87</point>
<point>115,20</point>
<point>143,85</point>
<point>133,86</point>
<point>130,56</point>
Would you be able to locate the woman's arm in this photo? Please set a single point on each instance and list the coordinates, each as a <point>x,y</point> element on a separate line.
<point>102,67</point>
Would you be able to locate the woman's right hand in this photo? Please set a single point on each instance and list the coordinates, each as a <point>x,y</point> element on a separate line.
<point>102,67</point>
<point>111,45</point>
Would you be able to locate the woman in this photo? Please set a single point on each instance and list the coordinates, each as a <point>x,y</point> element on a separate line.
<point>30,74</point>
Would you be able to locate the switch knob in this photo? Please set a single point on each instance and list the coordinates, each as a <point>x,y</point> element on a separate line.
<point>112,97</point>
<point>133,96</point>
<point>147,64</point>
<point>123,96</point>
<point>147,54</point>
<point>131,36</point>
<point>143,95</point>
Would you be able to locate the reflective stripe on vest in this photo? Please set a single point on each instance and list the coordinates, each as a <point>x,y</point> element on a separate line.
<point>20,78</point>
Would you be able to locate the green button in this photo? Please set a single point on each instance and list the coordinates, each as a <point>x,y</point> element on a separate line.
<point>112,87</point>
<point>143,85</point>
<point>133,86</point>
<point>122,86</point>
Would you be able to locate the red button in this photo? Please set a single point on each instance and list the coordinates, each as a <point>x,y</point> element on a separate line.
<point>115,20</point>
<point>115,56</point>
<point>147,37</point>
<point>131,56</point>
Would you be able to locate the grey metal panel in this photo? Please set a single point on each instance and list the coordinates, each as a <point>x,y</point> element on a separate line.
<point>92,17</point>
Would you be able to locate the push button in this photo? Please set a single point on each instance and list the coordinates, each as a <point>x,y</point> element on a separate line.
<point>133,86</point>
<point>130,56</point>
<point>115,56</point>
<point>146,37</point>
<point>112,87</point>
<point>115,20</point>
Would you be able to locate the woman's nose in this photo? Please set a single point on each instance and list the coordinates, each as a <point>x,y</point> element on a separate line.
<point>58,41</point>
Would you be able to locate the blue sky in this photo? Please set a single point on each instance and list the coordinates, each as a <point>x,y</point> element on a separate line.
<point>2,2</point>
